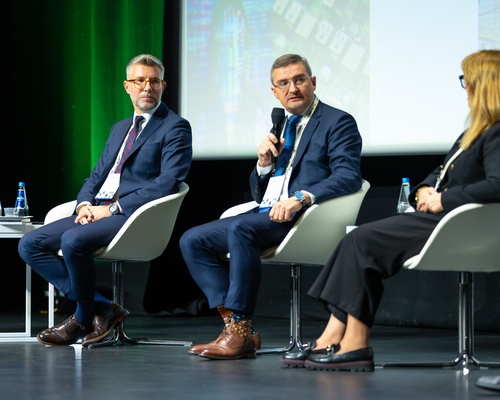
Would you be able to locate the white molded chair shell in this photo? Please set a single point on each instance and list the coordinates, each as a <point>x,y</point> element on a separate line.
<point>147,231</point>
<point>60,211</point>
<point>135,241</point>
<point>313,238</point>
<point>316,233</point>
<point>471,232</point>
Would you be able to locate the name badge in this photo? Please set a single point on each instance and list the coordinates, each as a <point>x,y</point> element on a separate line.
<point>109,188</point>
<point>273,193</point>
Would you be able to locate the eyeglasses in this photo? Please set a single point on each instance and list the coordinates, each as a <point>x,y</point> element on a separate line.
<point>462,81</point>
<point>297,81</point>
<point>140,83</point>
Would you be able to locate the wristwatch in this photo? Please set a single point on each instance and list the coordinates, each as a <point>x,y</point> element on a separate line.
<point>113,209</point>
<point>299,196</point>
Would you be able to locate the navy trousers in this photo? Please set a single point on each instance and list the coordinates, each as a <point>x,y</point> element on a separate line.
<point>75,273</point>
<point>235,284</point>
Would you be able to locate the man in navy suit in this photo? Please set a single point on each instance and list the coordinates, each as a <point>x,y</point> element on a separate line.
<point>146,157</point>
<point>324,163</point>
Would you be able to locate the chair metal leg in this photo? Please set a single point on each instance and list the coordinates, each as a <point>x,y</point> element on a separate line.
<point>465,359</point>
<point>119,334</point>
<point>295,326</point>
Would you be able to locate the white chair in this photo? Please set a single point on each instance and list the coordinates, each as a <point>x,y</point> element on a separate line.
<point>310,242</point>
<point>142,238</point>
<point>466,240</point>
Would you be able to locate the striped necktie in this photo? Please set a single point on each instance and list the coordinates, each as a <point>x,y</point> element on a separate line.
<point>130,142</point>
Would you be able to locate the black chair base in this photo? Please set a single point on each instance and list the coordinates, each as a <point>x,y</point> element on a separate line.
<point>119,334</point>
<point>464,361</point>
<point>465,358</point>
<point>295,326</point>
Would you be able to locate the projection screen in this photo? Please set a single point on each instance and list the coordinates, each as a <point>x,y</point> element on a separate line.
<point>393,65</point>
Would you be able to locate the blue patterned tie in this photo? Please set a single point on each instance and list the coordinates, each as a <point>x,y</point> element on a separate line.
<point>130,142</point>
<point>286,152</point>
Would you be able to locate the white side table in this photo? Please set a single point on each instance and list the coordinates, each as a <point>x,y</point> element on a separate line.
<point>17,231</point>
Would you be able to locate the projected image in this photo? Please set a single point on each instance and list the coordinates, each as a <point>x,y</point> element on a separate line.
<point>392,64</point>
<point>334,35</point>
<point>230,46</point>
<point>489,24</point>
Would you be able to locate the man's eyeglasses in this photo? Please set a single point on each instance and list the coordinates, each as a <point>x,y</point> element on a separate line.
<point>298,81</point>
<point>462,81</point>
<point>140,83</point>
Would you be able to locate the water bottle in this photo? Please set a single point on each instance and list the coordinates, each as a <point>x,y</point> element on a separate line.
<point>21,201</point>
<point>404,194</point>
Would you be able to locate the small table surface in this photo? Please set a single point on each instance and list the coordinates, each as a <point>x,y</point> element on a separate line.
<point>16,229</point>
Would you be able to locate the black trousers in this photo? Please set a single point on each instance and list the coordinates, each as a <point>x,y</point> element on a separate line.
<point>352,280</point>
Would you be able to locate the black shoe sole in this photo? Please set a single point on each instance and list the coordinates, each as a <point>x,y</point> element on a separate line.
<point>294,364</point>
<point>353,366</point>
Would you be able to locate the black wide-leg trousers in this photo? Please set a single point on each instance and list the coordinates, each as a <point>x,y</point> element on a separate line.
<point>352,280</point>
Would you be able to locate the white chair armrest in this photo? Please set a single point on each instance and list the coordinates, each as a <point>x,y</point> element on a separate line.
<point>61,211</point>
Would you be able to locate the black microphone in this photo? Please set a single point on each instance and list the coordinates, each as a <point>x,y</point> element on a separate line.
<point>277,116</point>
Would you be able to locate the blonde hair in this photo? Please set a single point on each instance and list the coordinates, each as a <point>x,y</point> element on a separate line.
<point>482,76</point>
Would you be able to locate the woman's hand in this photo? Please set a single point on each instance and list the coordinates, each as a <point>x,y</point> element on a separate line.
<point>429,200</point>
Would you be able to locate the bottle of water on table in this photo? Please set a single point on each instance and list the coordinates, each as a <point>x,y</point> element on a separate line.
<point>21,206</point>
<point>404,194</point>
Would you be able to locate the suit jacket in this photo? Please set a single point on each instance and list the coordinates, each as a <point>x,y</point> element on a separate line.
<point>327,161</point>
<point>159,161</point>
<point>473,177</point>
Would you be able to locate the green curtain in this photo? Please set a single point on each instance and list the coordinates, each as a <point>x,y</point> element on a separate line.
<point>98,38</point>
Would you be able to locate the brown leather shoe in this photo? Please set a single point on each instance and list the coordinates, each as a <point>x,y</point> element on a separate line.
<point>104,322</point>
<point>197,349</point>
<point>67,332</point>
<point>234,343</point>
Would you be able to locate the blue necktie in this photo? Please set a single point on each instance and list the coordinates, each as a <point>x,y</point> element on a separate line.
<point>286,152</point>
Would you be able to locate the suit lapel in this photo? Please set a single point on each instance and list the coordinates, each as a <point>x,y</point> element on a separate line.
<point>154,123</point>
<point>117,143</point>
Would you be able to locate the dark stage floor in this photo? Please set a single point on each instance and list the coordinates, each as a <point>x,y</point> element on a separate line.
<point>33,371</point>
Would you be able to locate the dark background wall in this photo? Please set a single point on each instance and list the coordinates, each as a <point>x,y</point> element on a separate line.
<point>31,151</point>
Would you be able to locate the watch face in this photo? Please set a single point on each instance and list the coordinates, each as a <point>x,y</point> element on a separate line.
<point>300,197</point>
<point>112,208</point>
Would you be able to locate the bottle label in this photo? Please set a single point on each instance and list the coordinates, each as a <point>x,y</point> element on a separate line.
<point>20,200</point>
<point>20,206</point>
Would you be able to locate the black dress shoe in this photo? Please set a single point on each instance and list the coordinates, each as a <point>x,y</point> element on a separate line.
<point>68,332</point>
<point>356,361</point>
<point>104,322</point>
<point>298,359</point>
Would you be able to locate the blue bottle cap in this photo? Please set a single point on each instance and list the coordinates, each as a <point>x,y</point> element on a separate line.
<point>405,180</point>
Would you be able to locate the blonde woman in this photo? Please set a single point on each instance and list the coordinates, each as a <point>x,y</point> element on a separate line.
<point>350,285</point>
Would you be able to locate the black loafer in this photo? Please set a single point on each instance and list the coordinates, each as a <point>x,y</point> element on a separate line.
<point>356,361</point>
<point>298,359</point>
